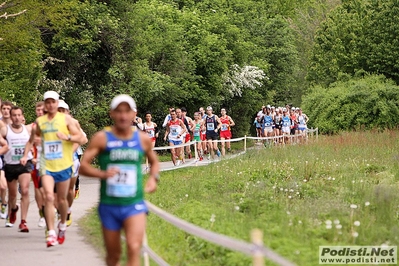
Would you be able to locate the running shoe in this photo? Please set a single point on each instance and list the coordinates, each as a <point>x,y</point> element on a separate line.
<point>69,219</point>
<point>23,228</point>
<point>42,222</point>
<point>77,192</point>
<point>13,215</point>
<point>190,156</point>
<point>3,213</point>
<point>209,156</point>
<point>178,162</point>
<point>8,224</point>
<point>51,241</point>
<point>61,235</point>
<point>218,153</point>
<point>229,150</point>
<point>201,158</point>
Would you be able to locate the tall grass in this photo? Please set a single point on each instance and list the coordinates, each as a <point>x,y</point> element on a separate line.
<point>300,196</point>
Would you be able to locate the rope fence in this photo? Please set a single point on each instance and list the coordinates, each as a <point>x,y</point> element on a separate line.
<point>256,249</point>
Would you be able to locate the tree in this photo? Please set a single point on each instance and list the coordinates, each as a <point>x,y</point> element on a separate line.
<point>363,102</point>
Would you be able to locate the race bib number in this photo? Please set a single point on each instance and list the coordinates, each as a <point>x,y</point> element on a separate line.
<point>123,184</point>
<point>210,126</point>
<point>224,127</point>
<point>267,124</point>
<point>17,152</point>
<point>174,132</point>
<point>151,133</point>
<point>53,150</point>
<point>196,132</point>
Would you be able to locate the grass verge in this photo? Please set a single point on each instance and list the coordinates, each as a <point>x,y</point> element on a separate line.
<point>340,190</point>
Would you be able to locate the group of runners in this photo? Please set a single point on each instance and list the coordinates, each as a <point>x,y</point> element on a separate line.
<point>281,122</point>
<point>48,152</point>
<point>205,129</point>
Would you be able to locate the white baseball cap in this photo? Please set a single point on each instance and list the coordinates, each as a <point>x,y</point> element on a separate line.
<point>63,104</point>
<point>51,95</point>
<point>123,98</point>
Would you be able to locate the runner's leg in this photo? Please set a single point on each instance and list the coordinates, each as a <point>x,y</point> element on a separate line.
<point>134,229</point>
<point>112,241</point>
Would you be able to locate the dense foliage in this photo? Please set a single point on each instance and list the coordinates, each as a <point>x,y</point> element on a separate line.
<point>186,53</point>
<point>371,102</point>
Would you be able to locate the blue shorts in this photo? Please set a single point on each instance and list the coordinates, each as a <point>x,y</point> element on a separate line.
<point>176,142</point>
<point>60,176</point>
<point>113,216</point>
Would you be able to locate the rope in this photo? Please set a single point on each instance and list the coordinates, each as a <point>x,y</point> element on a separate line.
<point>219,239</point>
<point>154,256</point>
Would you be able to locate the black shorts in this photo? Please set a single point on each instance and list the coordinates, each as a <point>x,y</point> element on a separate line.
<point>212,136</point>
<point>13,171</point>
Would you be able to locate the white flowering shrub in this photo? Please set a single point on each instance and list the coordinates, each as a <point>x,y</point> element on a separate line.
<point>240,78</point>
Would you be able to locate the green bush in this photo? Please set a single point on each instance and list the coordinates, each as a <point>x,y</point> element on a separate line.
<point>371,102</point>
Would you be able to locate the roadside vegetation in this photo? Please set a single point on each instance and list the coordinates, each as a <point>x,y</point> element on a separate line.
<point>339,190</point>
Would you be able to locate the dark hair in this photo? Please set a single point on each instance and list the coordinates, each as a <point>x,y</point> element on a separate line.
<point>7,103</point>
<point>39,104</point>
<point>183,109</point>
<point>147,113</point>
<point>16,108</point>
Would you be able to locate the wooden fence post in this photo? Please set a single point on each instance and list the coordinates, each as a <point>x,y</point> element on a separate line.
<point>257,239</point>
<point>145,254</point>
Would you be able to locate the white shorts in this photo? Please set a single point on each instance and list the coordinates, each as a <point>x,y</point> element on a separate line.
<point>269,129</point>
<point>286,129</point>
<point>75,168</point>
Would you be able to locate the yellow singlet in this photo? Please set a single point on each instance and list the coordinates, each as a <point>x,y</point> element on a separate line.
<point>57,154</point>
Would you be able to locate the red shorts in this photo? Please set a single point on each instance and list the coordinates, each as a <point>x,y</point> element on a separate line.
<point>225,134</point>
<point>188,137</point>
<point>35,178</point>
<point>203,136</point>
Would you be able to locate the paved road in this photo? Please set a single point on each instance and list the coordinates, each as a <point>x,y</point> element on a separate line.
<point>30,248</point>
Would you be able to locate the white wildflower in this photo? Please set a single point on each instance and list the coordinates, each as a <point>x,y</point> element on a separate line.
<point>355,234</point>
<point>212,220</point>
<point>353,206</point>
<point>356,223</point>
<point>367,203</point>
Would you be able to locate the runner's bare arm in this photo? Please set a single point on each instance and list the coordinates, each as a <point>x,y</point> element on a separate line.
<point>4,145</point>
<point>29,144</point>
<point>219,123</point>
<point>146,143</point>
<point>166,132</point>
<point>3,129</point>
<point>96,145</point>
<point>183,126</point>
<point>75,134</point>
<point>231,121</point>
